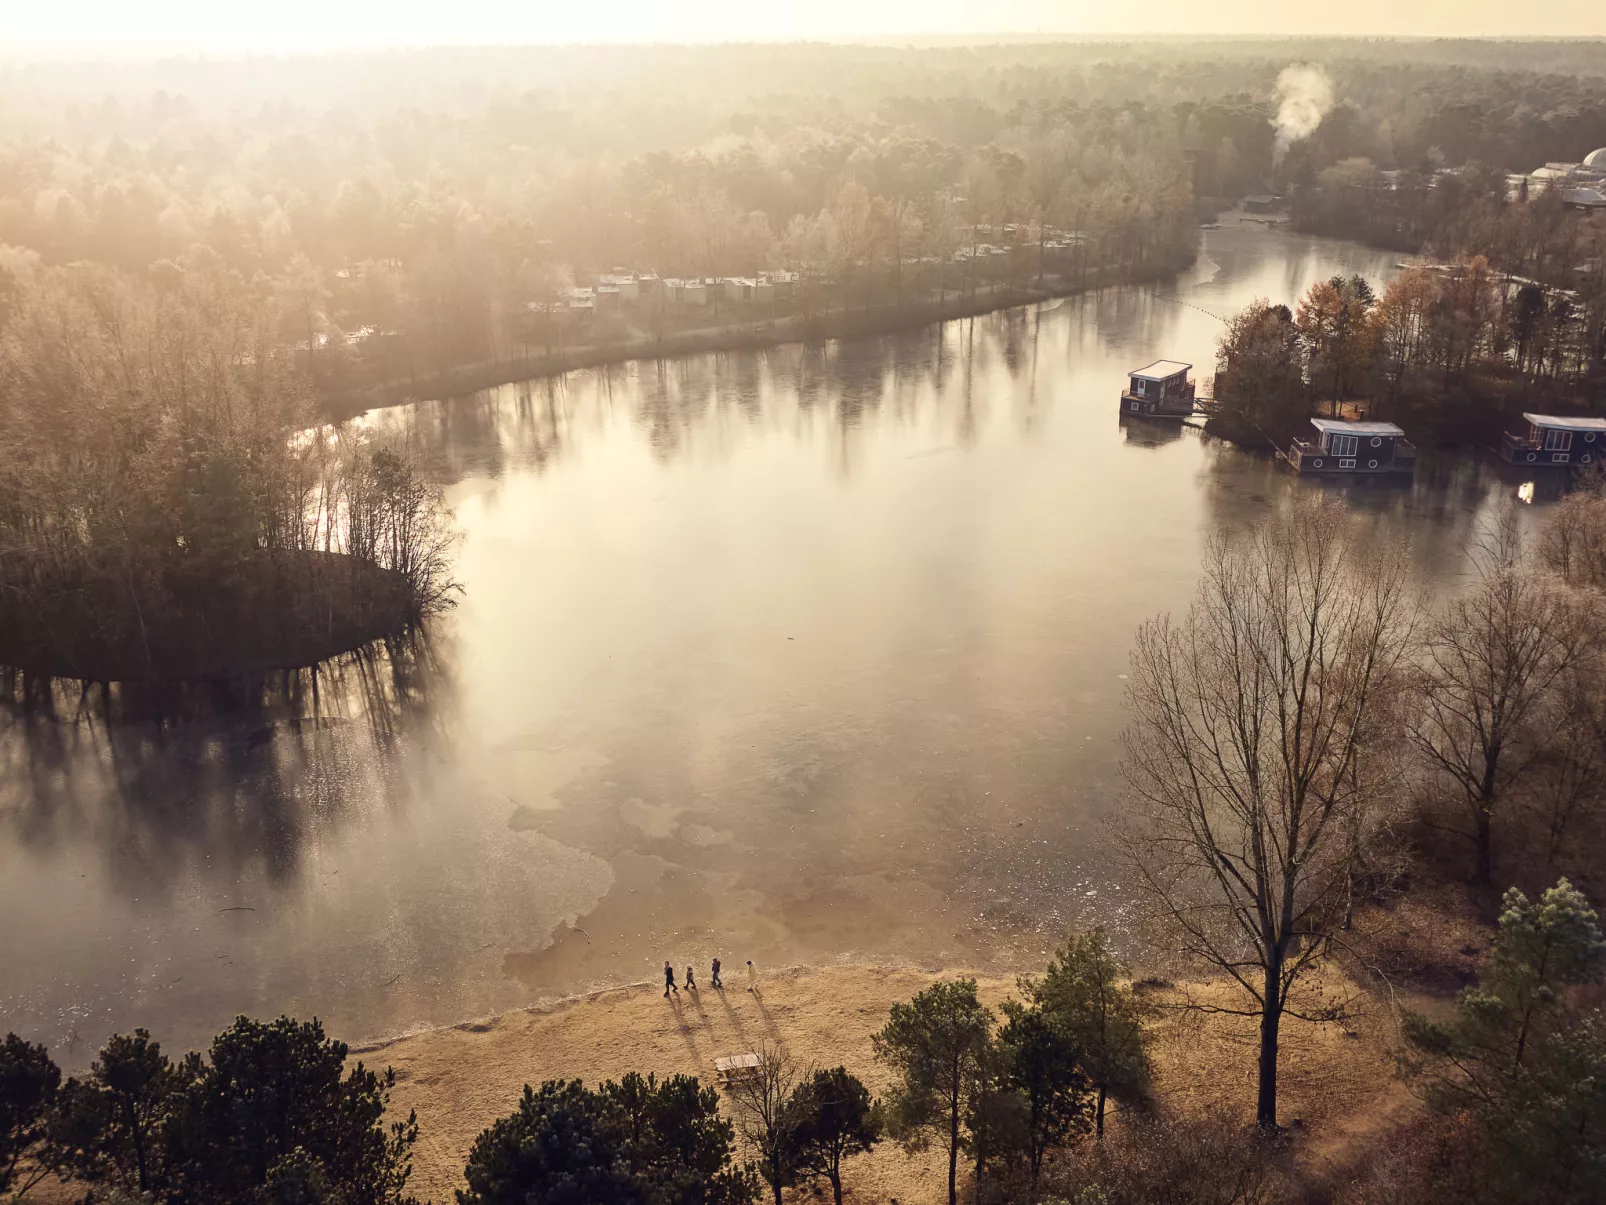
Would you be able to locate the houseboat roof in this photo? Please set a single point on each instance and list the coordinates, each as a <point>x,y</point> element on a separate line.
<point>1566,424</point>
<point>1339,426</point>
<point>1161,370</point>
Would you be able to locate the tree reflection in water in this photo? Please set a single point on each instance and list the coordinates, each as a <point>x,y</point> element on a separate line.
<point>168,776</point>
<point>815,651</point>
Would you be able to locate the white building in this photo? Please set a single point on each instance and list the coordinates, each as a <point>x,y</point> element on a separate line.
<point>1567,175</point>
<point>627,286</point>
<point>1592,199</point>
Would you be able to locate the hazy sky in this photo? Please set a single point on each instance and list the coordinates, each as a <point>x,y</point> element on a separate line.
<point>302,24</point>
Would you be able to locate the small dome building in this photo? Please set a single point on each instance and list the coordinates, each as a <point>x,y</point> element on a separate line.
<point>1595,161</point>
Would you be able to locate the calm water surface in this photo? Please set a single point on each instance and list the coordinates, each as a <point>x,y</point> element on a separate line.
<point>802,655</point>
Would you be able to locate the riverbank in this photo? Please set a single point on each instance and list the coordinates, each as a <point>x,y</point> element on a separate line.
<point>1337,1080</point>
<point>750,333</point>
<point>210,621</point>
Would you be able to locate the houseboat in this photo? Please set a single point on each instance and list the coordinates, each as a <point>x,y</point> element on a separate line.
<point>1345,448</point>
<point>1551,440</point>
<point>1162,390</point>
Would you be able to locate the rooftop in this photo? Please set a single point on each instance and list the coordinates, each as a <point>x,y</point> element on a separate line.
<point>1161,370</point>
<point>1566,424</point>
<point>1339,426</point>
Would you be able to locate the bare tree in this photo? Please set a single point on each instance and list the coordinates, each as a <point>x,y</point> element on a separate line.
<point>1573,543</point>
<point>1568,787</point>
<point>1252,750</point>
<point>1491,658</point>
<point>761,1100</point>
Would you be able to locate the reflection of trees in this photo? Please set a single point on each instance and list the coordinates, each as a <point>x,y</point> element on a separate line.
<point>162,780</point>
<point>929,376</point>
<point>1443,505</point>
<point>1149,434</point>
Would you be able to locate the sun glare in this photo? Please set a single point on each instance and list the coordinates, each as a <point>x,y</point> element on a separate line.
<point>294,25</point>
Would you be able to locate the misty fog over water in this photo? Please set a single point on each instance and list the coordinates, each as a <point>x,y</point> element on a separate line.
<point>803,655</point>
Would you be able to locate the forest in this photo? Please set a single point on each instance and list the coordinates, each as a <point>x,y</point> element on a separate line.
<point>1453,351</point>
<point>425,213</point>
<point>200,261</point>
<point>206,268</point>
<point>169,509</point>
<point>1532,271</point>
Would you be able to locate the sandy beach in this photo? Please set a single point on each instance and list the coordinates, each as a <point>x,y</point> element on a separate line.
<point>462,1078</point>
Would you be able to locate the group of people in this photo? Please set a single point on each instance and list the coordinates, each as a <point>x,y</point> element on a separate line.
<point>714,981</point>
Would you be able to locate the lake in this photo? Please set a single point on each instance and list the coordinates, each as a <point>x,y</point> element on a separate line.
<point>803,655</point>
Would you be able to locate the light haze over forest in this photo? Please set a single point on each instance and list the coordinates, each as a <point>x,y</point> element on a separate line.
<point>295,25</point>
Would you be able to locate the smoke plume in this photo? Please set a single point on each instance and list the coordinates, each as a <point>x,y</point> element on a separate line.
<point>1304,97</point>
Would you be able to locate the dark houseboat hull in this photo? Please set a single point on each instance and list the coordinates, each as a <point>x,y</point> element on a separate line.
<point>1133,406</point>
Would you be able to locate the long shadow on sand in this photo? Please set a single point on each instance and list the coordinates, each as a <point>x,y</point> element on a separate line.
<point>684,1029</point>
<point>769,1022</point>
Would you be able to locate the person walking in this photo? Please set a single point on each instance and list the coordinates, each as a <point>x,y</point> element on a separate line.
<point>752,978</point>
<point>718,986</point>
<point>669,980</point>
<point>690,986</point>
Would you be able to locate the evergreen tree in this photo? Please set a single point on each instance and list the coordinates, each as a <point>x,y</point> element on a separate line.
<point>1521,1059</point>
<point>634,1142</point>
<point>674,1139</point>
<point>1085,996</point>
<point>1042,1066</point>
<point>559,1148</point>
<point>832,1118</point>
<point>272,1097</point>
<point>29,1080</point>
<point>937,1045</point>
<point>112,1122</point>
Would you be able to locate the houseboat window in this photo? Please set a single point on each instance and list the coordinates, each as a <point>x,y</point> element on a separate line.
<point>1343,445</point>
<point>1558,441</point>
<point>1377,441</point>
<point>1142,385</point>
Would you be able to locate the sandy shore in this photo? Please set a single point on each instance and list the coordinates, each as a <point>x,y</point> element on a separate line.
<point>462,1078</point>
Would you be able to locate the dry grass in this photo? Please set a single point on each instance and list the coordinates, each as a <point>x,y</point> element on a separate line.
<point>461,1079</point>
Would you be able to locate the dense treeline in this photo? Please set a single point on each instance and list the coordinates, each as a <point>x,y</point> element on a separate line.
<point>1454,194</point>
<point>1513,120</point>
<point>418,202</point>
<point>421,205</point>
<point>167,508</point>
<point>273,1115</point>
<point>270,1114</point>
<point>1452,350</point>
<point>276,1113</point>
<point>1473,212</point>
